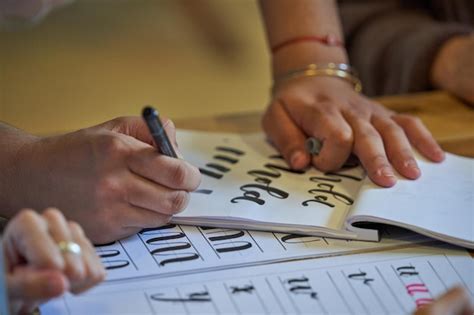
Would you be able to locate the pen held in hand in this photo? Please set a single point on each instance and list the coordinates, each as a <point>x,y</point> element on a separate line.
<point>158,132</point>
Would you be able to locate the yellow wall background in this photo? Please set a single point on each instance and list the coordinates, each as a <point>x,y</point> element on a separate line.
<point>97,59</point>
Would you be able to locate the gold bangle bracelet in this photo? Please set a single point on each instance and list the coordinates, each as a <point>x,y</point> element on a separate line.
<point>338,70</point>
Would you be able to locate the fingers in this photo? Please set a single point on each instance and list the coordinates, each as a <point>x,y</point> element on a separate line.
<point>37,269</point>
<point>420,137</point>
<point>163,170</point>
<point>397,147</point>
<point>284,133</point>
<point>136,127</point>
<point>146,194</point>
<point>325,123</point>
<point>369,147</point>
<point>94,271</point>
<point>455,302</point>
<point>31,284</point>
<point>26,238</point>
<point>59,231</point>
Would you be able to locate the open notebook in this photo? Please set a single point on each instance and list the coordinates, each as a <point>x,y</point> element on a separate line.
<point>247,184</point>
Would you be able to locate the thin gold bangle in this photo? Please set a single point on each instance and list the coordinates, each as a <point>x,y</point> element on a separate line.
<point>338,70</point>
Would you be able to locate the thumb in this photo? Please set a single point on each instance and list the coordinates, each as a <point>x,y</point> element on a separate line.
<point>28,284</point>
<point>136,127</point>
<point>285,135</point>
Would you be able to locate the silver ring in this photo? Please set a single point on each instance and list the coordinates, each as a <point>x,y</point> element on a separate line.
<point>69,247</point>
<point>313,145</point>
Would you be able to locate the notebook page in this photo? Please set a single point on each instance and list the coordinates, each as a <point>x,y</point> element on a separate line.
<point>245,179</point>
<point>441,200</point>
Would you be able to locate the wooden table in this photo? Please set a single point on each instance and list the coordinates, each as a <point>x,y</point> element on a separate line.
<point>450,121</point>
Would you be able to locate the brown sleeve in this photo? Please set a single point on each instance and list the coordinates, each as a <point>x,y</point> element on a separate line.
<point>393,49</point>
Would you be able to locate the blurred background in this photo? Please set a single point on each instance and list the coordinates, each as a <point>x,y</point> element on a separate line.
<point>93,60</point>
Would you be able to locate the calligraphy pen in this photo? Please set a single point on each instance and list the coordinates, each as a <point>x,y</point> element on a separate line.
<point>163,143</point>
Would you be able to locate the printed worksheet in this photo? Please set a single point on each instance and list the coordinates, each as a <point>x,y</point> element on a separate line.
<point>180,249</point>
<point>389,282</point>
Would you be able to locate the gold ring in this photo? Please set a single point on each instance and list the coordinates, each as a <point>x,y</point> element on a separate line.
<point>69,247</point>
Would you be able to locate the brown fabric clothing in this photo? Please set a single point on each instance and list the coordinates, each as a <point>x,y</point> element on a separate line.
<point>392,44</point>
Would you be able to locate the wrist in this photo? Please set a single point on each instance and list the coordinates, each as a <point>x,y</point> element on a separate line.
<point>13,142</point>
<point>304,53</point>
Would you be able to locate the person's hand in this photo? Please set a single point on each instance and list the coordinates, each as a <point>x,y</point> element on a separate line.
<point>453,68</point>
<point>346,122</point>
<point>36,269</point>
<point>455,302</point>
<point>109,178</point>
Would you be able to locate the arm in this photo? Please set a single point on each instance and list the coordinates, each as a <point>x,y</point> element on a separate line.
<point>409,56</point>
<point>109,177</point>
<point>328,108</point>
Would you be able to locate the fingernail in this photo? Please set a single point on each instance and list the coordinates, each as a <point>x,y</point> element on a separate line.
<point>297,159</point>
<point>411,164</point>
<point>385,172</point>
<point>439,154</point>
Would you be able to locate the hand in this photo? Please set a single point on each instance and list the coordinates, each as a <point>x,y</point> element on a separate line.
<point>36,268</point>
<point>455,302</point>
<point>328,109</point>
<point>110,178</point>
<point>453,68</point>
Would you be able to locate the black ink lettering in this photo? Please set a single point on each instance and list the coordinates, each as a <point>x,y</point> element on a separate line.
<point>225,158</point>
<point>318,199</point>
<point>107,253</point>
<point>171,247</point>
<point>324,188</point>
<point>115,264</point>
<point>361,276</point>
<point>302,286</point>
<point>297,280</point>
<point>210,173</point>
<point>180,257</point>
<point>218,167</point>
<point>193,297</point>
<point>225,237</point>
<point>203,191</point>
<point>106,244</point>
<point>161,245</point>
<point>252,195</point>
<point>166,237</point>
<point>406,271</point>
<point>245,289</point>
<point>233,246</point>
<point>230,150</point>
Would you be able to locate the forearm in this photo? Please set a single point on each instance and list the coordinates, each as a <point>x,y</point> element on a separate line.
<point>12,140</point>
<point>286,19</point>
<point>400,61</point>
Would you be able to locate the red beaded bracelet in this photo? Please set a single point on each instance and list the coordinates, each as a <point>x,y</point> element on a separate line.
<point>328,40</point>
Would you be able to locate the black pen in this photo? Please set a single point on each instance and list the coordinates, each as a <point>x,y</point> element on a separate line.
<point>152,119</point>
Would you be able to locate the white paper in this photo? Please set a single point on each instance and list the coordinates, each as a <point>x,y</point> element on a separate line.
<point>438,204</point>
<point>179,249</point>
<point>392,282</point>
<point>246,180</point>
